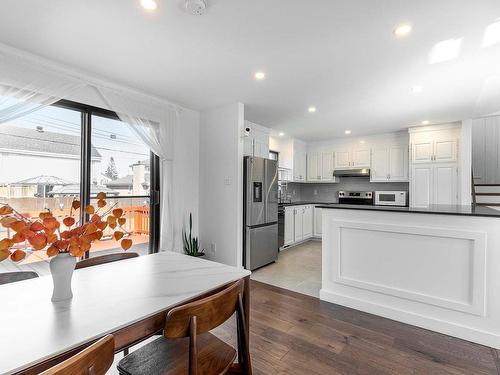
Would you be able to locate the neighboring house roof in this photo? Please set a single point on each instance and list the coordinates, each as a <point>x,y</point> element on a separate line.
<point>24,139</point>
<point>122,182</point>
<point>43,180</point>
<point>141,162</point>
<point>74,189</point>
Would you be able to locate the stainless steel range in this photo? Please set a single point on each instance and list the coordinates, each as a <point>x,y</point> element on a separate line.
<point>356,197</point>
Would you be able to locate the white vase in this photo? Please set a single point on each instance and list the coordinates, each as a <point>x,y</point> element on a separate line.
<point>61,268</point>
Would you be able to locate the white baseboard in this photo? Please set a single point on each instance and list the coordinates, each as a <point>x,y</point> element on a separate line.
<point>445,327</point>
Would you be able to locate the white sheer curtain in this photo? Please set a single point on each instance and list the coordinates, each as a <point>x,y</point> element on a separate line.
<point>154,123</point>
<point>27,85</point>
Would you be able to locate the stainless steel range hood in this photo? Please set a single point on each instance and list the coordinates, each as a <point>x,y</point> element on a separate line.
<point>359,172</point>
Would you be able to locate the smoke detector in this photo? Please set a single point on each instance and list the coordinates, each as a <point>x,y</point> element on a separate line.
<point>196,7</point>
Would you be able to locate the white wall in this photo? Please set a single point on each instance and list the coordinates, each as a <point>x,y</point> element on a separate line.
<point>185,166</point>
<point>221,183</point>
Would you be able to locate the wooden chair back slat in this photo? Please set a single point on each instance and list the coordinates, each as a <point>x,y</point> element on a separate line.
<point>94,360</point>
<point>108,258</point>
<point>12,277</point>
<point>210,312</point>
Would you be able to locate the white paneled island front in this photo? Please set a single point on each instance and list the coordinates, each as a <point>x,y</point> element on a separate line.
<point>437,268</point>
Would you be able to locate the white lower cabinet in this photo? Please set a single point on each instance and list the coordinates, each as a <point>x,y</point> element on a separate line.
<point>318,222</point>
<point>298,224</point>
<point>434,183</point>
<point>289,226</point>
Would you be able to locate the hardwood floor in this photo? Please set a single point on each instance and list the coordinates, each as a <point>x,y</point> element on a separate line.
<point>292,333</point>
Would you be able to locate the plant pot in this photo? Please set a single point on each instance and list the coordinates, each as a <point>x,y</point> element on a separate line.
<point>61,268</point>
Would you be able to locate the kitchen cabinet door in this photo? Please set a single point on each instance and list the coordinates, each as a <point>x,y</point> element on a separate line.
<point>313,166</point>
<point>422,151</point>
<point>327,167</point>
<point>289,226</point>
<point>445,150</point>
<point>248,146</point>
<point>380,165</point>
<point>398,163</point>
<point>445,182</point>
<point>298,220</point>
<point>318,222</point>
<point>422,187</point>
<point>307,222</point>
<point>342,159</point>
<point>299,166</point>
<point>360,158</point>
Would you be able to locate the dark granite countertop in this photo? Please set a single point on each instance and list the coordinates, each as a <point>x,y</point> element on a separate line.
<point>482,211</point>
<point>302,203</point>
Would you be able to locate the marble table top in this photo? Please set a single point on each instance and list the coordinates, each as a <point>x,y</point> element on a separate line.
<point>106,298</point>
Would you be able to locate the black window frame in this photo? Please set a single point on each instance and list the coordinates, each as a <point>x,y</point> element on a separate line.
<point>87,111</point>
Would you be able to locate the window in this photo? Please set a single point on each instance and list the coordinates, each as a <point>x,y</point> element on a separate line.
<point>69,151</point>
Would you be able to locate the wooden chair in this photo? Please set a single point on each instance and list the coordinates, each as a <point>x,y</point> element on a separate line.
<point>94,360</point>
<point>108,258</point>
<point>188,347</point>
<point>12,277</point>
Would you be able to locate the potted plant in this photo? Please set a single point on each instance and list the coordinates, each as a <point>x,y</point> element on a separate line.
<point>191,244</point>
<point>63,241</point>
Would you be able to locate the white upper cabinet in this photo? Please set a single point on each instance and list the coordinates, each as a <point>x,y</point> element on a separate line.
<point>354,157</point>
<point>435,145</point>
<point>320,166</point>
<point>257,143</point>
<point>389,163</point>
<point>327,166</point>
<point>299,166</point>
<point>435,171</point>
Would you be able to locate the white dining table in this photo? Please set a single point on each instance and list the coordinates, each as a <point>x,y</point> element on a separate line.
<point>128,299</point>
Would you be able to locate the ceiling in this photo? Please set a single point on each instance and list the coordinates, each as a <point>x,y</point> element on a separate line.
<point>340,56</point>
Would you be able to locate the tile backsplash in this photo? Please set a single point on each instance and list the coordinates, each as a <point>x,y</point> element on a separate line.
<point>322,192</point>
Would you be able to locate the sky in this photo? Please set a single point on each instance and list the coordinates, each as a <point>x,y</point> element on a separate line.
<point>111,138</point>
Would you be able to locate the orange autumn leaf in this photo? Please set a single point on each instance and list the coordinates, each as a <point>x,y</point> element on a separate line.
<point>91,228</point>
<point>8,221</point>
<point>75,205</point>
<point>51,223</point>
<point>28,233</point>
<point>95,218</point>
<point>122,221</point>
<point>45,215</point>
<point>61,244</point>
<point>6,210</point>
<point>69,221</point>
<point>118,235</point>
<point>75,251</point>
<point>101,195</point>
<point>101,225</point>
<point>117,212</point>
<point>39,241</point>
<point>126,244</point>
<point>6,243</point>
<point>19,237</point>
<point>18,226</point>
<point>51,238</point>
<point>18,256</point>
<point>4,254</point>
<point>89,209</point>
<point>101,203</point>
<point>36,226</point>
<point>52,251</point>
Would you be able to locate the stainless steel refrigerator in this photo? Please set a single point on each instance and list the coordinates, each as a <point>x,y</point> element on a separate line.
<point>260,212</point>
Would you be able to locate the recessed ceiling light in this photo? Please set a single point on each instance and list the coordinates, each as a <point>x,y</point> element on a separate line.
<point>417,89</point>
<point>282,134</point>
<point>402,29</point>
<point>259,76</point>
<point>149,4</point>
<point>425,122</point>
<point>445,50</point>
<point>347,132</point>
<point>362,142</point>
<point>491,35</point>
<point>311,109</point>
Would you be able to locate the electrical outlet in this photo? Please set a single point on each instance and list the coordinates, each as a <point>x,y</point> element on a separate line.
<point>212,248</point>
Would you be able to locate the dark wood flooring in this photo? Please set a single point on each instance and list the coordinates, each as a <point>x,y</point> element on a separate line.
<point>293,333</point>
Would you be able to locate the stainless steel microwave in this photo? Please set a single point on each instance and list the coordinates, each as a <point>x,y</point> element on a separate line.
<point>390,198</point>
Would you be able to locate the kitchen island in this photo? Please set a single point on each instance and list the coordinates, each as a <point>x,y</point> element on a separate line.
<point>437,268</point>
